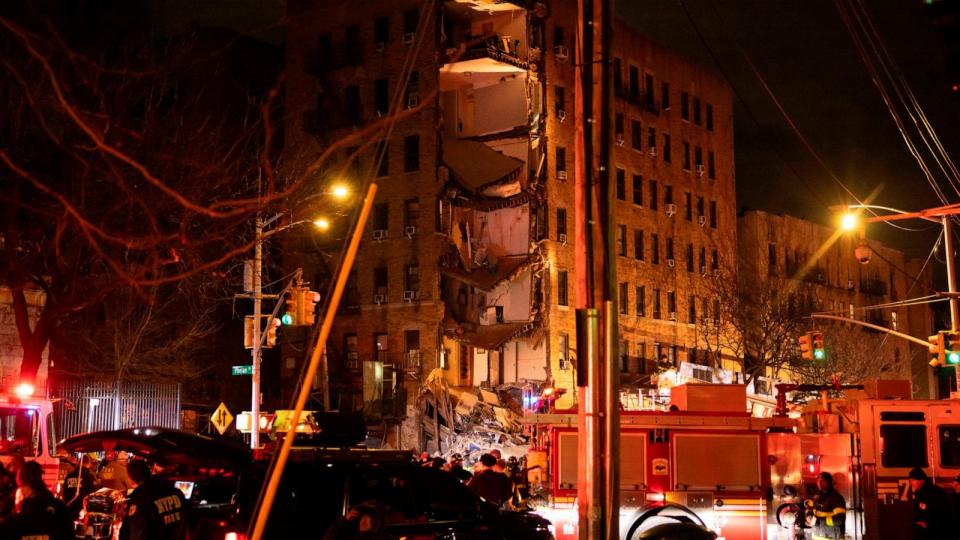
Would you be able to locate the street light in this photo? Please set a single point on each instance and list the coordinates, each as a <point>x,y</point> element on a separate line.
<point>340,191</point>
<point>322,223</point>
<point>849,222</point>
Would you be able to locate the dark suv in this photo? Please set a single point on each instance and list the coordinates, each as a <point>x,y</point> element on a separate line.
<point>320,485</point>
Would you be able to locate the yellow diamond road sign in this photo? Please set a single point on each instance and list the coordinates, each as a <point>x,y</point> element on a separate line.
<point>221,418</point>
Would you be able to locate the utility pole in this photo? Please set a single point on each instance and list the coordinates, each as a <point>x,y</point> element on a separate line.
<point>255,352</point>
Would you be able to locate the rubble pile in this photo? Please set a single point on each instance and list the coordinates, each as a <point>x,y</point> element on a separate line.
<point>486,420</point>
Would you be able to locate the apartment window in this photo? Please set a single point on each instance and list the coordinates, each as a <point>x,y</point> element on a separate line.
<point>665,96</point>
<point>464,358</point>
<point>648,85</point>
<point>380,347</point>
<point>684,105</point>
<point>350,346</point>
<point>894,320</point>
<point>668,194</point>
<point>656,304</point>
<point>352,48</point>
<point>688,206</point>
<point>559,102</point>
<point>564,351</point>
<point>381,216</point>
<point>622,240</point>
<point>699,206</point>
<point>324,52</point>
<point>636,136</point>
<point>351,104</point>
<point>411,212</point>
<point>380,280</point>
<point>714,260</point>
<point>666,148</point>
<point>411,153</point>
<point>411,277</point>
<point>713,214</point>
<point>711,166</point>
<point>618,126</point>
<point>411,93</point>
<point>638,190</point>
<point>698,157</point>
<point>669,248</point>
<point>383,157</point>
<point>621,184</point>
<point>696,111</point>
<point>703,260</point>
<point>558,36</point>
<point>709,117</point>
<point>641,301</point>
<point>686,156</point>
<point>652,139</point>
<point>561,164</point>
<point>562,287</point>
<point>638,244</point>
<point>624,351</point>
<point>692,309</point>
<point>622,300</point>
<point>561,224</point>
<point>634,84</point>
<point>658,352</point>
<point>381,31</point>
<point>617,77</point>
<point>381,99</point>
<point>690,258</point>
<point>716,312</point>
<point>655,248</point>
<point>653,194</point>
<point>411,19</point>
<point>351,295</point>
<point>672,304</point>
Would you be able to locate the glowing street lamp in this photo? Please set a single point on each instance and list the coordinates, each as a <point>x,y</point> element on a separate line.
<point>322,223</point>
<point>849,222</point>
<point>340,191</point>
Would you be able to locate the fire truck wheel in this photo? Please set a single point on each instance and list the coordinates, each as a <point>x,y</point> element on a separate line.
<point>652,517</point>
<point>677,531</point>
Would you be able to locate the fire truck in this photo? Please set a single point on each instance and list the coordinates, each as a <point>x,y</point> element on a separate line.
<point>27,433</point>
<point>711,460</point>
<point>705,461</point>
<point>869,440</point>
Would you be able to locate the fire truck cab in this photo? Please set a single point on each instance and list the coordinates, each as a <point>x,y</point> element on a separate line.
<point>706,462</point>
<point>27,433</point>
<point>869,441</point>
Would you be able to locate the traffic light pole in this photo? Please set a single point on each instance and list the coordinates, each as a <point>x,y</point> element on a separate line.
<point>255,352</point>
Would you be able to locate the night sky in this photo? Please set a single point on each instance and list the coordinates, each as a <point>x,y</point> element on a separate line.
<point>803,51</point>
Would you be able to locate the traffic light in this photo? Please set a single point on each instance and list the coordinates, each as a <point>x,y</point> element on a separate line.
<point>952,347</point>
<point>272,334</point>
<point>308,300</point>
<point>806,346</point>
<point>937,349</point>
<point>293,307</point>
<point>819,352</point>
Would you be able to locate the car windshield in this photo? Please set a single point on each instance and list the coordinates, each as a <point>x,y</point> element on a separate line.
<point>19,431</point>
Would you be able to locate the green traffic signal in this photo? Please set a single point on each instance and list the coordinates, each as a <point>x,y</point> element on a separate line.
<point>953,357</point>
<point>820,354</point>
<point>287,319</point>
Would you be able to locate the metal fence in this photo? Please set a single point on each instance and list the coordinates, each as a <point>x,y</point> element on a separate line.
<point>83,406</point>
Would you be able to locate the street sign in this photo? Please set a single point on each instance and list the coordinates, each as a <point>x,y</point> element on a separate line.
<point>221,418</point>
<point>242,370</point>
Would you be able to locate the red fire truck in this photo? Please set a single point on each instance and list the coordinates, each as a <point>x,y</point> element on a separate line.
<point>26,432</point>
<point>707,461</point>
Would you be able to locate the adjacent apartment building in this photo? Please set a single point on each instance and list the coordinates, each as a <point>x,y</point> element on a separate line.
<point>819,266</point>
<point>467,263</point>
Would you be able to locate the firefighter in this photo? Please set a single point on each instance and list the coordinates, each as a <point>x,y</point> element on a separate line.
<point>829,508</point>
<point>455,467</point>
<point>155,510</point>
<point>931,509</point>
<point>39,515</point>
